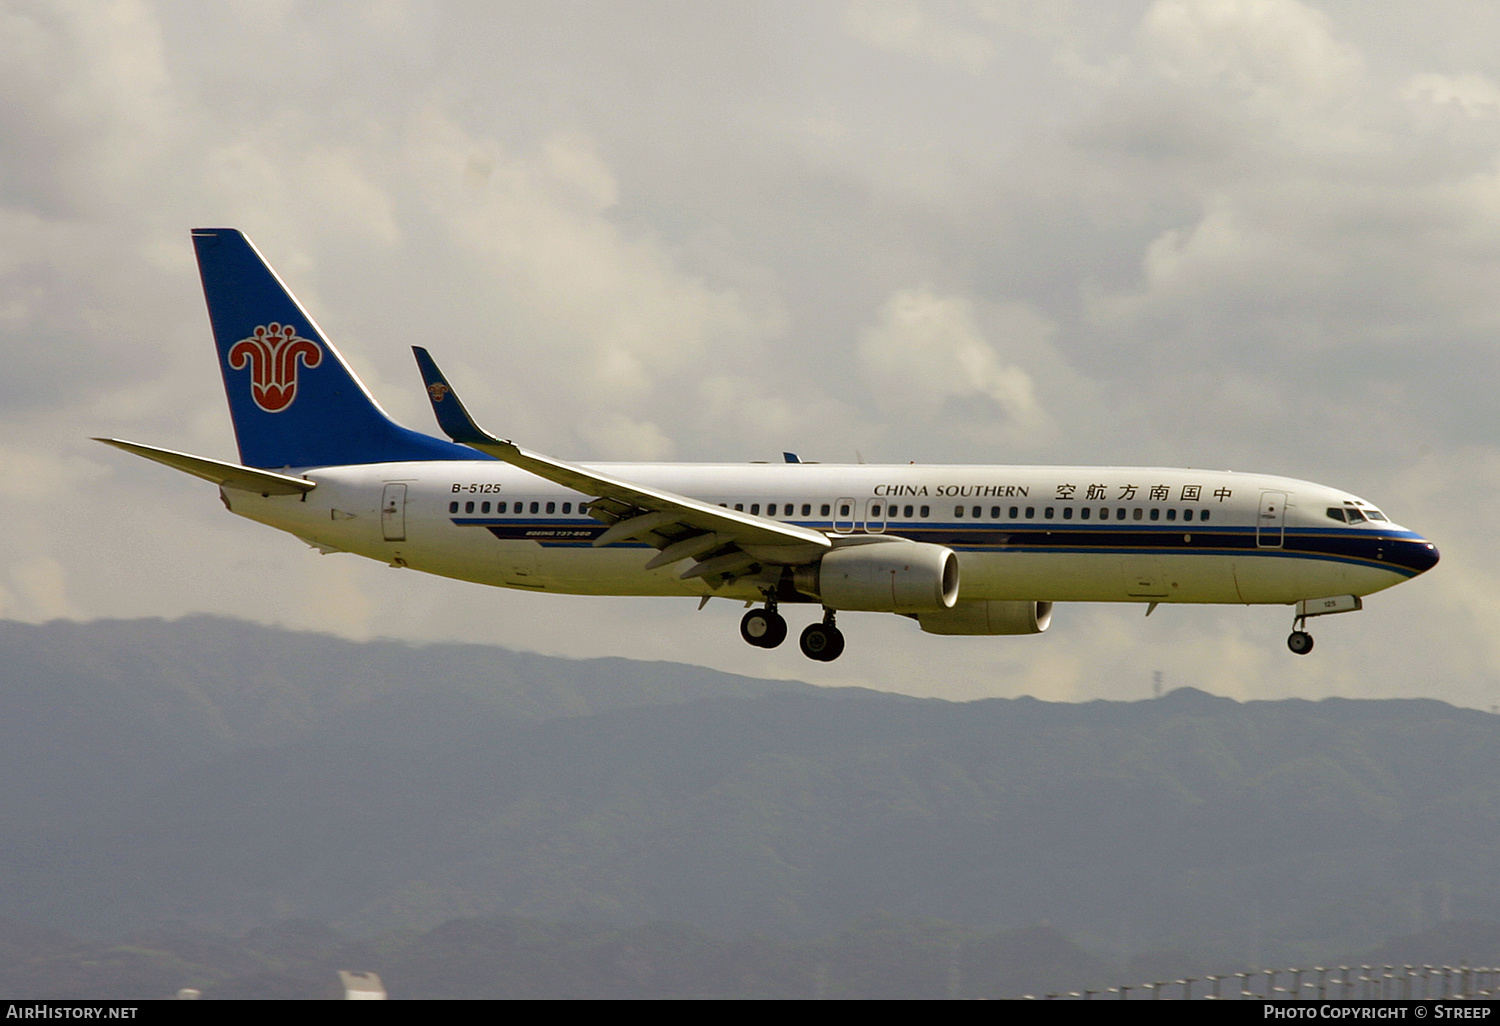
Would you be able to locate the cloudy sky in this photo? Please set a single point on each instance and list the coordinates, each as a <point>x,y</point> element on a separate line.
<point>1247,234</point>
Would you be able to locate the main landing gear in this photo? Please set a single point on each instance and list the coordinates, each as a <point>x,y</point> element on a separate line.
<point>822,641</point>
<point>763,628</point>
<point>766,628</point>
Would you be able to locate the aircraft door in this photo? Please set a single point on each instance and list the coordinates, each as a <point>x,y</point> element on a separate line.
<point>843,516</point>
<point>1270,526</point>
<point>876,511</point>
<point>393,512</point>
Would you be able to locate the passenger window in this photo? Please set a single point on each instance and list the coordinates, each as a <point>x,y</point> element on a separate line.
<point>499,507</point>
<point>1204,514</point>
<point>740,506</point>
<point>551,507</point>
<point>822,510</point>
<point>875,511</point>
<point>453,508</point>
<point>1120,513</point>
<point>1103,513</point>
<point>994,512</point>
<point>977,511</point>
<point>468,507</point>
<point>958,511</point>
<point>1067,512</point>
<point>1156,514</point>
<point>1137,514</point>
<point>1014,512</point>
<point>1172,513</point>
<point>1187,514</point>
<point>844,509</point>
<point>807,509</point>
<point>567,507</point>
<point>1083,513</point>
<point>755,509</point>
<point>1047,513</point>
<point>926,511</point>
<point>906,513</point>
<point>484,507</point>
<point>1030,512</point>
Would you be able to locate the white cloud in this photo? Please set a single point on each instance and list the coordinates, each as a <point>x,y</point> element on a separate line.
<point>1270,52</point>
<point>927,357</point>
<point>619,323</point>
<point>277,178</point>
<point>86,99</point>
<point>1475,95</point>
<point>910,27</point>
<point>37,589</point>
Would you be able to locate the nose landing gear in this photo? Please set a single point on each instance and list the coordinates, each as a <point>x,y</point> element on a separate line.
<point>1301,642</point>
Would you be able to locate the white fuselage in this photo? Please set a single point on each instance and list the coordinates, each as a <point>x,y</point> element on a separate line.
<point>1049,534</point>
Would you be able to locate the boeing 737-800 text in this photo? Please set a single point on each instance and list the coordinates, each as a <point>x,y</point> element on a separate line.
<point>960,549</point>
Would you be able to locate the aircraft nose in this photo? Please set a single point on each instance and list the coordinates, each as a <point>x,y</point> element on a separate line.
<point>1421,555</point>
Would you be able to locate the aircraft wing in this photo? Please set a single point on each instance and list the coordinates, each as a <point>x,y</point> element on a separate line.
<point>724,543</point>
<point>230,475</point>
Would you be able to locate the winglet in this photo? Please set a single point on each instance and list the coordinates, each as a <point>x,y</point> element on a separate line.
<point>449,409</point>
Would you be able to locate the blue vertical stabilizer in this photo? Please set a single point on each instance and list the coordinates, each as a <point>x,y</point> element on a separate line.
<point>294,401</point>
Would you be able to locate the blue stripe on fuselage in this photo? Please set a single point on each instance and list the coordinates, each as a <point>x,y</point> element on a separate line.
<point>1404,553</point>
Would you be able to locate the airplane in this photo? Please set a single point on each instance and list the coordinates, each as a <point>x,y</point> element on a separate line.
<point>962,550</point>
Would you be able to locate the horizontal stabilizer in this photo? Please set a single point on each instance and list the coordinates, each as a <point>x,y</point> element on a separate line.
<point>229,475</point>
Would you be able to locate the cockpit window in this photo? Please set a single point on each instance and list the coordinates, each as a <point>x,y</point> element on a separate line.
<point>1355,516</point>
<point>1374,514</point>
<point>1336,513</point>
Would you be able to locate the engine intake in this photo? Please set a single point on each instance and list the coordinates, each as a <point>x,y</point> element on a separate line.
<point>884,577</point>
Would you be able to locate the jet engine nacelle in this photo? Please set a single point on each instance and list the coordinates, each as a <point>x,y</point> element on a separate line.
<point>884,577</point>
<point>988,618</point>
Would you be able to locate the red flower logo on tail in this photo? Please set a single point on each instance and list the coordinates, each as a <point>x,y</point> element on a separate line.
<point>272,352</point>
